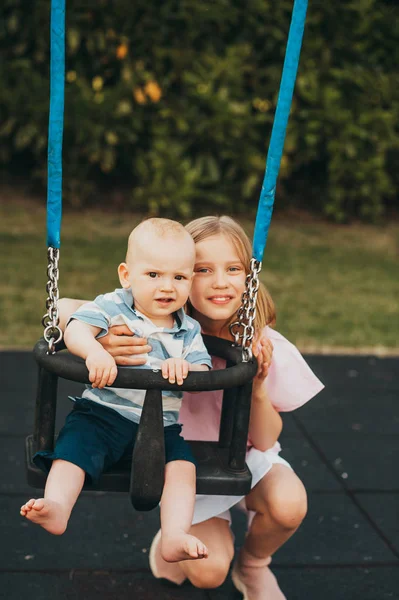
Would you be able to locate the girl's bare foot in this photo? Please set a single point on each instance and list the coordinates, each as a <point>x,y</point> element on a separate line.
<point>47,513</point>
<point>182,546</point>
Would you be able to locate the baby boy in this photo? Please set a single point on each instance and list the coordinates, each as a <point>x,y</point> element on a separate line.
<point>156,280</point>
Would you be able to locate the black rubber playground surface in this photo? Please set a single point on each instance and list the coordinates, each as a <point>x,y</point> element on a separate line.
<point>343,444</point>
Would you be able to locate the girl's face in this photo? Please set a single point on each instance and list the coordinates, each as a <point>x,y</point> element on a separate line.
<point>218,285</point>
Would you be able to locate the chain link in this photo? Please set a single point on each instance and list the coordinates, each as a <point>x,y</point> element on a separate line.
<point>243,329</point>
<point>52,333</point>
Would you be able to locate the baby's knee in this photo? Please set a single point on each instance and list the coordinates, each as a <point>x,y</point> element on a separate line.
<point>208,575</point>
<point>289,510</point>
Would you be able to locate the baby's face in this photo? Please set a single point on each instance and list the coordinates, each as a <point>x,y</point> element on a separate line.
<point>160,273</point>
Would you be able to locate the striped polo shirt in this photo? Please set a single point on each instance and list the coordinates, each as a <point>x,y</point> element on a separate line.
<point>183,340</point>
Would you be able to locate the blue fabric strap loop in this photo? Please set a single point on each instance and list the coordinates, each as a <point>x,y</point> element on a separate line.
<point>266,200</point>
<point>56,123</point>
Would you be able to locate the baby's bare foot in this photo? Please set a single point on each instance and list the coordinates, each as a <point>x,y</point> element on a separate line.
<point>47,513</point>
<point>25,508</point>
<point>182,546</point>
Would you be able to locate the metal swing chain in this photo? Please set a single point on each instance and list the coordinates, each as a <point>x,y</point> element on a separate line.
<point>52,332</point>
<point>243,329</point>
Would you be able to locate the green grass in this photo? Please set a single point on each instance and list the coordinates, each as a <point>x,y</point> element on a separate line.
<point>335,287</point>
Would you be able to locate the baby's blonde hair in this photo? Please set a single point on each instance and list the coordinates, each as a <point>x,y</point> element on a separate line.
<point>162,228</point>
<point>205,227</point>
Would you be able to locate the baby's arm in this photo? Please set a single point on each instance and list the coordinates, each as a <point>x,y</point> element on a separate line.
<point>177,369</point>
<point>196,367</point>
<point>120,342</point>
<point>80,339</point>
<point>195,358</point>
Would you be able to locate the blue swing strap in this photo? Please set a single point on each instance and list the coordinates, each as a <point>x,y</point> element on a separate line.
<point>52,332</point>
<point>290,68</point>
<point>243,329</point>
<point>56,123</point>
<point>247,312</point>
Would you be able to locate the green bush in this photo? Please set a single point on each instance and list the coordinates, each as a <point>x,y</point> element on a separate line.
<point>174,100</point>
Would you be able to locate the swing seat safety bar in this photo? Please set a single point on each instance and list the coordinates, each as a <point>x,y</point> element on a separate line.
<point>221,466</point>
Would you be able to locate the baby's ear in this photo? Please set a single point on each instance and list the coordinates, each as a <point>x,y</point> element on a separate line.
<point>123,272</point>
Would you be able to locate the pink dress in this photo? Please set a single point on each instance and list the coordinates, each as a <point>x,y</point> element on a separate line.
<point>290,384</point>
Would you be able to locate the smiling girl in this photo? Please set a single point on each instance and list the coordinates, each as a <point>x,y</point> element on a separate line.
<point>277,503</point>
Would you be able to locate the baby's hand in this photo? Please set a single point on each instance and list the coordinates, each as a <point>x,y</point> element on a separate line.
<point>102,368</point>
<point>263,350</point>
<point>175,369</point>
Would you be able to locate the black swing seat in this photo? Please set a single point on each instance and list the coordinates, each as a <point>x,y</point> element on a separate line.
<point>221,467</point>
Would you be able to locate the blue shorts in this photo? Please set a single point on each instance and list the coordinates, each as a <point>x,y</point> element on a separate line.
<point>95,438</point>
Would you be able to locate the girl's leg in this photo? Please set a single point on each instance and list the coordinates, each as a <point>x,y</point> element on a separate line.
<point>63,486</point>
<point>207,574</point>
<point>217,536</point>
<point>177,509</point>
<point>279,502</point>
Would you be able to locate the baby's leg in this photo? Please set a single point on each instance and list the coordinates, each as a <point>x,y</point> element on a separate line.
<point>63,487</point>
<point>177,508</point>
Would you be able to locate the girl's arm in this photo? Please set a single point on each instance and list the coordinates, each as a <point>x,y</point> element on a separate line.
<point>66,307</point>
<point>265,423</point>
<point>120,342</point>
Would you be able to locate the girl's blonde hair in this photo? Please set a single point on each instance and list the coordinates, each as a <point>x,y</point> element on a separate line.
<point>205,227</point>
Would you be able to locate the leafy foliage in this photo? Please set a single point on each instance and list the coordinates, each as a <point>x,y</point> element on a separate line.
<point>174,100</point>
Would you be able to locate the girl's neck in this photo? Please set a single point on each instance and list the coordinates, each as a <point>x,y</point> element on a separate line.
<point>211,327</point>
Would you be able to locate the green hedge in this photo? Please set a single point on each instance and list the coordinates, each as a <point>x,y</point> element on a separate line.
<point>174,100</point>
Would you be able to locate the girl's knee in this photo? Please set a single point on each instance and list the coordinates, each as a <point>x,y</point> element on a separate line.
<point>288,509</point>
<point>206,575</point>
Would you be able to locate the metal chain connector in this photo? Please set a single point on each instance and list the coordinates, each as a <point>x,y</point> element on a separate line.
<point>52,333</point>
<point>243,329</point>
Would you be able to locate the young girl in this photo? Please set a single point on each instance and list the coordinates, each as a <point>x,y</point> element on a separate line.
<point>277,502</point>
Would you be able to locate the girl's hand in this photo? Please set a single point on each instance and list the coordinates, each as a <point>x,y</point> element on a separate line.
<point>102,368</point>
<point>262,349</point>
<point>124,346</point>
<point>175,369</point>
